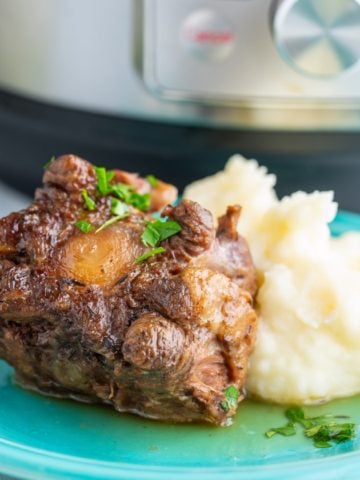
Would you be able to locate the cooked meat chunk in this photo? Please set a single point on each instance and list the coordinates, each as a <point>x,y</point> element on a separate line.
<point>82,317</point>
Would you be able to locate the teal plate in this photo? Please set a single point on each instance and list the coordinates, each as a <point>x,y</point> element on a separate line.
<point>45,438</point>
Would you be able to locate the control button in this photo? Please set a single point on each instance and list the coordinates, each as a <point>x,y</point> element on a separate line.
<point>318,37</point>
<point>207,35</point>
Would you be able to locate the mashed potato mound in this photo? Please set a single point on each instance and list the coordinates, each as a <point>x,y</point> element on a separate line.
<point>308,344</point>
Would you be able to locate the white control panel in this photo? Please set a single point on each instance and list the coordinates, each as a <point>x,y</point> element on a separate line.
<point>244,50</point>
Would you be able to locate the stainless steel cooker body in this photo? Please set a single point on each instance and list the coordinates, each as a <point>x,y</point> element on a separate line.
<point>265,64</point>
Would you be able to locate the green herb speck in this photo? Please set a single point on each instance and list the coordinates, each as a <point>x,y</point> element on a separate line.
<point>151,253</point>
<point>84,226</point>
<point>89,202</point>
<point>48,163</point>
<point>323,430</point>
<point>152,180</point>
<point>231,398</point>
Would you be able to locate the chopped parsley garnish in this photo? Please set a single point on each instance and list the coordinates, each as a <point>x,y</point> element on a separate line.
<point>231,398</point>
<point>89,202</point>
<point>127,194</point>
<point>122,195</point>
<point>157,231</point>
<point>119,208</point>
<point>47,164</point>
<point>84,226</point>
<point>150,236</point>
<point>154,233</point>
<point>332,431</point>
<point>149,254</point>
<point>287,430</point>
<point>295,414</point>
<point>324,430</point>
<point>152,180</point>
<point>110,174</point>
<point>111,222</point>
<point>123,191</point>
<point>104,178</point>
<point>140,201</point>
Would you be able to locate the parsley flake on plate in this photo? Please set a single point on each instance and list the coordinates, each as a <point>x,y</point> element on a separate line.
<point>287,430</point>
<point>324,430</point>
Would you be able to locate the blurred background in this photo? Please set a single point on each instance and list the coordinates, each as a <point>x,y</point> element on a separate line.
<point>174,88</point>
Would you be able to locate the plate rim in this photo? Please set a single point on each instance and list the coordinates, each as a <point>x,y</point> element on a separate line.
<point>57,465</point>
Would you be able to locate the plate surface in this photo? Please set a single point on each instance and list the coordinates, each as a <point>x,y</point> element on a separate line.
<point>45,438</point>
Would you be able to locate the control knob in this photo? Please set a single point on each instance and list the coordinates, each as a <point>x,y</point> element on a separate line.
<point>317,37</point>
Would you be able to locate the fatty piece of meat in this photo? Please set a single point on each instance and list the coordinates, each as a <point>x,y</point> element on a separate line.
<point>80,318</point>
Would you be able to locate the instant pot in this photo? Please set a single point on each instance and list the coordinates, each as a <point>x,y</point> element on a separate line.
<point>174,87</point>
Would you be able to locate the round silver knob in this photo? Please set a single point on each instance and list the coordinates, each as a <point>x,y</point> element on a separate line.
<point>317,37</point>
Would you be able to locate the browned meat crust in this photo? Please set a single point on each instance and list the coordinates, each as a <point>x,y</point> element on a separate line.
<point>79,317</point>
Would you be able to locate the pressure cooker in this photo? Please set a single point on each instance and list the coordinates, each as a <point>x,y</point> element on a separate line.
<point>174,87</point>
